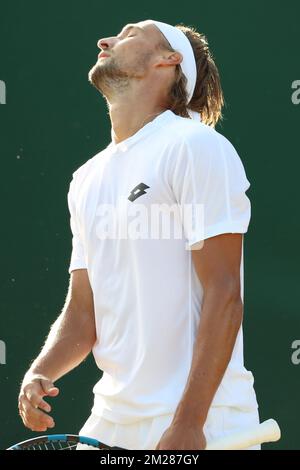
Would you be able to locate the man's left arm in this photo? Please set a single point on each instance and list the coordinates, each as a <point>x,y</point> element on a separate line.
<point>217,265</point>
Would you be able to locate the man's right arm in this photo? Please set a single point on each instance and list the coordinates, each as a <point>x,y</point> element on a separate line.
<point>69,342</point>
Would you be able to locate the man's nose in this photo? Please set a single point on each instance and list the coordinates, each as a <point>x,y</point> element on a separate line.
<point>106,43</point>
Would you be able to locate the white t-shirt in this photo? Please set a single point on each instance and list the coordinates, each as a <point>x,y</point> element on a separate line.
<point>147,296</point>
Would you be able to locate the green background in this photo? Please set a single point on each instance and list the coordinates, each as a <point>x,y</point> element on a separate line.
<point>54,121</point>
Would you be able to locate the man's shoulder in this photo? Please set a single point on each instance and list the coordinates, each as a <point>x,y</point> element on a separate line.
<point>87,167</point>
<point>189,131</point>
<point>199,137</point>
<point>204,145</point>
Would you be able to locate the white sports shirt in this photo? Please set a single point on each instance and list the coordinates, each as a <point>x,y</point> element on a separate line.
<point>147,296</point>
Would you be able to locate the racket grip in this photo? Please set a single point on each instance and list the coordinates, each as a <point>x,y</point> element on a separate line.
<point>268,431</point>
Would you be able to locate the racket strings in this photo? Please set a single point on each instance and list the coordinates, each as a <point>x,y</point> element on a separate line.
<point>69,445</point>
<point>64,443</point>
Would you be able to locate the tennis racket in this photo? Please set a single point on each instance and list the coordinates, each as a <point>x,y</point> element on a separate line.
<point>60,442</point>
<point>268,431</point>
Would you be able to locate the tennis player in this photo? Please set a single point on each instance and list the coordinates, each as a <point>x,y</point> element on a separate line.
<point>156,273</point>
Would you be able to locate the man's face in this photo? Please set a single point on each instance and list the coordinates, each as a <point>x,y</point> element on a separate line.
<point>129,55</point>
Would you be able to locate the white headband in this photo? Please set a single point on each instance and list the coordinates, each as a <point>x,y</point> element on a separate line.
<point>179,42</point>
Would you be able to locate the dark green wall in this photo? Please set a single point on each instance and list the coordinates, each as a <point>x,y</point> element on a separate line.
<point>53,121</point>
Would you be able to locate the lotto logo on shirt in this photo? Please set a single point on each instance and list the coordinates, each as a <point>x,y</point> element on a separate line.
<point>155,221</point>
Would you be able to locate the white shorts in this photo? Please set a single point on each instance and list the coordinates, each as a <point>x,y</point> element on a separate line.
<point>146,433</point>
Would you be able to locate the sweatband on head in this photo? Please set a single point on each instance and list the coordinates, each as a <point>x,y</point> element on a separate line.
<point>179,42</point>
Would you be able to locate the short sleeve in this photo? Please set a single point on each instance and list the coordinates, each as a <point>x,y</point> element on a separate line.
<point>210,184</point>
<point>78,256</point>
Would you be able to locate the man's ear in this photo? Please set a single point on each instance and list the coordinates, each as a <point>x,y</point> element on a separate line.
<point>169,58</point>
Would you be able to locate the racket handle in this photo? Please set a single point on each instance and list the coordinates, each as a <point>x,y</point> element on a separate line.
<point>268,431</point>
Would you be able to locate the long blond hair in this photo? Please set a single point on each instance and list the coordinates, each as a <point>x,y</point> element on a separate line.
<point>208,97</point>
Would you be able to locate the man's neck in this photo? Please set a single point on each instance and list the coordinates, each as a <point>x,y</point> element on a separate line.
<point>127,118</point>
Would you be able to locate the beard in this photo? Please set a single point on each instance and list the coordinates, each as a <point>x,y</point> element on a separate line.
<point>108,77</point>
<point>111,78</point>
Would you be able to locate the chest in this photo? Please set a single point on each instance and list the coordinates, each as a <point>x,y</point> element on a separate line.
<point>123,189</point>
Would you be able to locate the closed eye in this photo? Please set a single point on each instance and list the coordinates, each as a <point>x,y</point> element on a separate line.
<point>126,37</point>
<point>130,28</point>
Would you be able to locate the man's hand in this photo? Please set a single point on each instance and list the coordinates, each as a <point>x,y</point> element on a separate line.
<point>182,436</point>
<point>31,403</point>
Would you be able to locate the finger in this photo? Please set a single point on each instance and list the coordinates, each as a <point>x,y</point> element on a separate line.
<point>48,388</point>
<point>24,405</point>
<point>53,392</point>
<point>25,421</point>
<point>31,425</point>
<point>38,421</point>
<point>43,405</point>
<point>20,401</point>
<point>34,393</point>
<point>36,417</point>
